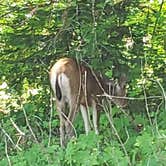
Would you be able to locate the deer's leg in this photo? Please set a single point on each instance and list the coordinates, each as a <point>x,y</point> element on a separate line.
<point>95,116</point>
<point>85,118</point>
<point>70,118</point>
<point>62,130</point>
<point>60,110</point>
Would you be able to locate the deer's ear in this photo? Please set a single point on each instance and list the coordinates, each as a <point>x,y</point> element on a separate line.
<point>122,80</point>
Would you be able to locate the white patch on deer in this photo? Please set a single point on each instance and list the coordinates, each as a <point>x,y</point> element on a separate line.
<point>64,85</point>
<point>53,80</point>
<point>118,88</point>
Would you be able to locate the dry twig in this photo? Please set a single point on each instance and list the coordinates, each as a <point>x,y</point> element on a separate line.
<point>50,121</point>
<point>117,135</point>
<point>6,151</point>
<point>10,139</point>
<point>29,126</point>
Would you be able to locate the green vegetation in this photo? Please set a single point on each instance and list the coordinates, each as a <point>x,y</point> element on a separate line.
<point>114,37</point>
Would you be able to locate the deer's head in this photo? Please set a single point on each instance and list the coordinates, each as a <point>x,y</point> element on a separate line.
<point>117,90</point>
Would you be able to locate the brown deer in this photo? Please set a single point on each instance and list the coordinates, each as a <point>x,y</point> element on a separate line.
<point>77,86</point>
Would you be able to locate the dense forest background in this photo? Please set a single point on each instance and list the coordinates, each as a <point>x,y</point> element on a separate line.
<point>112,36</point>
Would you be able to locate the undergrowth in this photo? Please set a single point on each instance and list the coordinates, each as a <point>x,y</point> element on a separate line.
<point>144,144</point>
<point>29,135</point>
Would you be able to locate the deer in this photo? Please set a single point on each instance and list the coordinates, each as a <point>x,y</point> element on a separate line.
<point>77,87</point>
